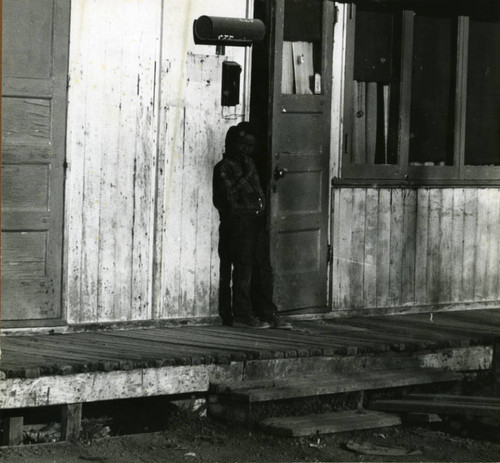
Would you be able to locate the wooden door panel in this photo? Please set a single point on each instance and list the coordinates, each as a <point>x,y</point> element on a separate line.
<point>299,251</point>
<point>26,38</point>
<point>25,187</point>
<point>300,192</point>
<point>24,278</point>
<point>34,84</point>
<point>26,250</point>
<point>289,222</point>
<point>299,198</point>
<point>300,132</point>
<point>299,291</point>
<point>33,299</point>
<point>26,120</point>
<point>22,221</point>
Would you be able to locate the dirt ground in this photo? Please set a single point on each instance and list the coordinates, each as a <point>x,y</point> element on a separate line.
<point>188,436</point>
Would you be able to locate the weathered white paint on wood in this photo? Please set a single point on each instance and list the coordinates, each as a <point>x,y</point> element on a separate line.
<point>457,246</point>
<point>111,150</point>
<point>445,242</point>
<point>192,132</point>
<point>407,247</point>
<point>337,103</point>
<point>369,290</point>
<point>482,248</point>
<point>145,129</point>
<point>396,255</point>
<point>422,206</point>
<point>408,244</point>
<point>470,228</point>
<point>356,268</point>
<point>343,253</point>
<point>455,359</point>
<point>383,246</point>
<point>458,359</point>
<point>492,283</point>
<point>91,387</point>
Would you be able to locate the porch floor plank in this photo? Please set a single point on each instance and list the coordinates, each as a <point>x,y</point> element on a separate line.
<point>305,340</point>
<point>453,322</point>
<point>280,338</point>
<point>108,350</point>
<point>191,339</point>
<point>393,324</point>
<point>480,317</point>
<point>385,335</point>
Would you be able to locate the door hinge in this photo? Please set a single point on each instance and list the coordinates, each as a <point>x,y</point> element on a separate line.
<point>335,14</point>
<point>329,257</point>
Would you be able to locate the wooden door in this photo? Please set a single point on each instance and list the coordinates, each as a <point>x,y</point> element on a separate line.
<point>299,187</point>
<point>34,83</point>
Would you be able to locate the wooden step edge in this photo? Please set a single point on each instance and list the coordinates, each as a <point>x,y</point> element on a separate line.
<point>441,408</point>
<point>235,386</point>
<point>329,423</point>
<point>455,398</point>
<point>280,390</point>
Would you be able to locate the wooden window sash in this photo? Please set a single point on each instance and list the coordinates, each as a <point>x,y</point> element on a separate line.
<point>432,173</point>
<point>405,91</point>
<point>346,140</point>
<point>461,93</point>
<point>402,171</point>
<point>351,170</point>
<point>485,174</point>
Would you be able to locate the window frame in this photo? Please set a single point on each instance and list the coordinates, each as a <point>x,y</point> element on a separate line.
<point>403,173</point>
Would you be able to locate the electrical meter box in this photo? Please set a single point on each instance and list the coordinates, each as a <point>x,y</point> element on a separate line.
<point>230,90</point>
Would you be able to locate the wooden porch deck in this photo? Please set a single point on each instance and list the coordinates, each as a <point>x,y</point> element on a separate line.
<point>84,366</point>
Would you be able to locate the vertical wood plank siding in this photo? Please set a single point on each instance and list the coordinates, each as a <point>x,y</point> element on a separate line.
<point>145,128</point>
<point>192,132</point>
<point>408,247</point>
<point>144,132</point>
<point>111,150</point>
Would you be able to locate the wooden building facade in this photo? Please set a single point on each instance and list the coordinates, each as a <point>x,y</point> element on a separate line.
<point>139,129</point>
<point>415,200</point>
<point>112,123</point>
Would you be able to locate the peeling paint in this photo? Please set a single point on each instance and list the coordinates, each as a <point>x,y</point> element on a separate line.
<point>162,100</point>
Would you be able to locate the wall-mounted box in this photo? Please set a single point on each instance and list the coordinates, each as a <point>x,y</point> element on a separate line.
<point>235,32</point>
<point>230,90</point>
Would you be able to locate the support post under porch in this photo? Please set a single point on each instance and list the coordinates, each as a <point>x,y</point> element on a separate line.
<point>13,430</point>
<point>71,421</point>
<point>495,366</point>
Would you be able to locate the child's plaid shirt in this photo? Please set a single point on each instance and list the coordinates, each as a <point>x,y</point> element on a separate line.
<point>236,186</point>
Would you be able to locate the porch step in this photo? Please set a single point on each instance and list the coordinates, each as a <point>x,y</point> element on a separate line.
<point>310,386</point>
<point>442,404</point>
<point>263,403</point>
<point>328,423</point>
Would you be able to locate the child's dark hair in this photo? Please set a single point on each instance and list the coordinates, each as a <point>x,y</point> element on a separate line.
<point>246,128</point>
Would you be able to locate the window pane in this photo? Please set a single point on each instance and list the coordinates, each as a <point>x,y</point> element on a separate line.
<point>432,115</point>
<point>482,134</point>
<point>301,69</point>
<point>375,95</point>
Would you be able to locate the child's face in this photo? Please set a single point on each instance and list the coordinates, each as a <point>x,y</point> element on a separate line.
<point>247,145</point>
